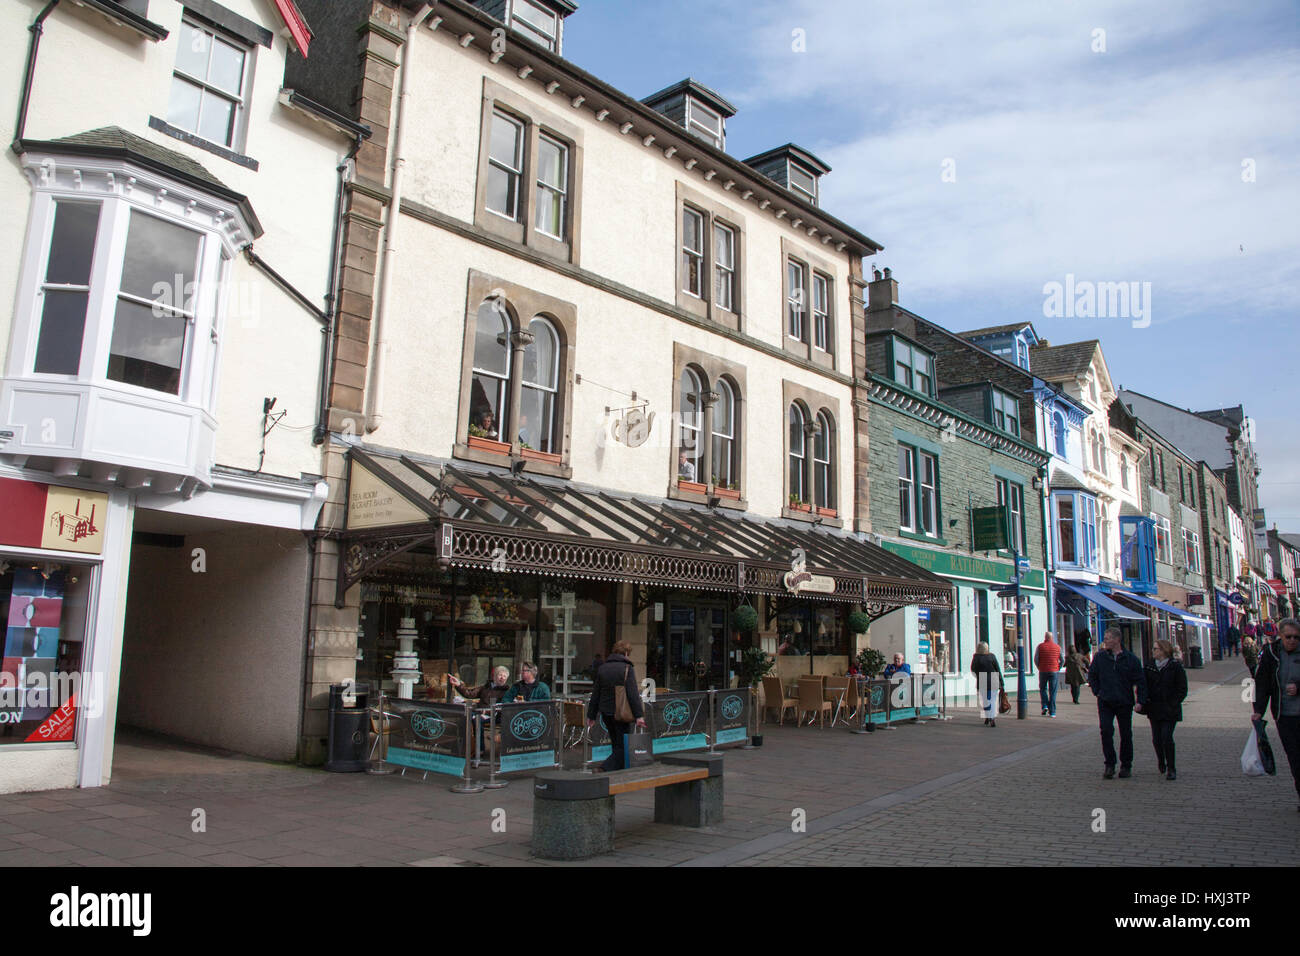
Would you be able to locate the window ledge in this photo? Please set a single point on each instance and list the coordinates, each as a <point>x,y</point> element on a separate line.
<point>146,28</point>
<point>176,132</point>
<point>677,493</point>
<point>927,538</point>
<point>502,460</point>
<point>810,517</point>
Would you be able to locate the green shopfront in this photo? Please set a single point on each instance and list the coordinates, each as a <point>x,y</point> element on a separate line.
<point>940,640</point>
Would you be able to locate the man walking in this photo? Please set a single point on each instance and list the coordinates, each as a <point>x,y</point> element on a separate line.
<point>1114,676</point>
<point>1277,683</point>
<point>1048,661</point>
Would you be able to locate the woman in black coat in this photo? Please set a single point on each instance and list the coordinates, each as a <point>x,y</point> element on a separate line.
<point>982,667</point>
<point>1166,691</point>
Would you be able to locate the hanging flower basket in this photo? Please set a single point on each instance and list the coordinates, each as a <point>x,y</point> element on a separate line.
<point>744,618</point>
<point>858,622</point>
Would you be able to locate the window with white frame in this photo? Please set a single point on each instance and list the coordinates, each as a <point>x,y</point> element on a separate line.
<point>692,252</point>
<point>918,491</point>
<point>798,454</point>
<point>823,462</point>
<point>796,300</point>
<point>1006,412</point>
<point>209,85</point>
<point>539,389</point>
<point>906,488</point>
<point>535,22</point>
<point>704,122</point>
<point>690,444</point>
<point>1192,550</point>
<point>552,186</point>
<point>505,165</point>
<point>724,266</point>
<point>803,182</point>
<point>1164,540</point>
<point>725,466</point>
<point>821,312</point>
<point>1058,433</point>
<point>1022,353</point>
<point>112,263</point>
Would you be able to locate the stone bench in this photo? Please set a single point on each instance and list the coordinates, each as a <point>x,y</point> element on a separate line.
<point>573,812</point>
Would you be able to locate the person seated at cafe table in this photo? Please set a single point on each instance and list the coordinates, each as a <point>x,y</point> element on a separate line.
<point>528,687</point>
<point>898,667</point>
<point>490,692</point>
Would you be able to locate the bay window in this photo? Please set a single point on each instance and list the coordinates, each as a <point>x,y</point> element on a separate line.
<point>1076,530</point>
<point>1137,552</point>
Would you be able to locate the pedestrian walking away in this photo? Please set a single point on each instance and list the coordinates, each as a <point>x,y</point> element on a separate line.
<point>1115,677</point>
<point>1166,691</point>
<point>1076,670</point>
<point>615,672</point>
<point>982,667</point>
<point>1048,661</point>
<point>1250,654</point>
<point>1277,687</point>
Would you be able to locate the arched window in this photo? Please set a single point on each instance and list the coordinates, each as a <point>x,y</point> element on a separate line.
<point>690,448</point>
<point>1058,432</point>
<point>539,388</point>
<point>823,457</point>
<point>798,454</point>
<point>490,391</point>
<point>725,462</point>
<point>1101,458</point>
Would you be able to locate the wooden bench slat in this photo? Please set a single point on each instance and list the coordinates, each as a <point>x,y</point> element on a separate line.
<point>657,780</point>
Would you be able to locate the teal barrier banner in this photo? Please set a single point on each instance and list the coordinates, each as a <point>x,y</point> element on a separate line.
<point>530,735</point>
<point>731,715</point>
<point>427,736</point>
<point>875,696</point>
<point>678,721</point>
<point>902,701</point>
<point>929,694</point>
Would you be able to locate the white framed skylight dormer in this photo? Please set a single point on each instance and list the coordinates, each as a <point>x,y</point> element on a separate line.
<point>802,181</point>
<point>705,123</point>
<point>115,345</point>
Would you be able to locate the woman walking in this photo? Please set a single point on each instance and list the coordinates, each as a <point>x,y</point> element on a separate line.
<point>1076,670</point>
<point>982,667</point>
<point>1166,691</point>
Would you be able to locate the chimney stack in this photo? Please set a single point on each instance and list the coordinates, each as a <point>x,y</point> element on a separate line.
<point>883,292</point>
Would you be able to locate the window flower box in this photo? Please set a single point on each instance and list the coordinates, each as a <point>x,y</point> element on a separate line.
<point>488,444</point>
<point>536,455</point>
<point>732,493</point>
<point>827,512</point>
<point>696,486</point>
<point>800,506</point>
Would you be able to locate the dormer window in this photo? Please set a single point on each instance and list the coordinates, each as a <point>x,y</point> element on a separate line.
<point>702,112</point>
<point>802,181</point>
<point>912,367</point>
<point>535,22</point>
<point>1005,412</point>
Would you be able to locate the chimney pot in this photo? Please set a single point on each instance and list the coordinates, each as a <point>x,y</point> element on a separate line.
<point>888,272</point>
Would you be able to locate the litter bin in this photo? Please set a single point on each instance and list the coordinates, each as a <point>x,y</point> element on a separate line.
<point>1194,657</point>
<point>349,729</point>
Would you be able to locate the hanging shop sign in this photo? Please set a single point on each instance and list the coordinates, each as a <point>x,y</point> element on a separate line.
<point>373,503</point>
<point>37,515</point>
<point>632,427</point>
<point>964,566</point>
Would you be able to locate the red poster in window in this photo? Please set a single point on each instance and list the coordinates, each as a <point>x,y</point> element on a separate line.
<point>60,725</point>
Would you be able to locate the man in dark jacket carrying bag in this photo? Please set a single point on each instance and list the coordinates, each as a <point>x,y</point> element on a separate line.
<point>1277,683</point>
<point>614,673</point>
<point>1114,676</point>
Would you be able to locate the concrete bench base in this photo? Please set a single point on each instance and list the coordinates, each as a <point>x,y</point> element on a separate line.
<point>573,813</point>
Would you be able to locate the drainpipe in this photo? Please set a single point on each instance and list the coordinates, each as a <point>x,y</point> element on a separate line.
<point>375,393</point>
<point>29,74</point>
<point>332,297</point>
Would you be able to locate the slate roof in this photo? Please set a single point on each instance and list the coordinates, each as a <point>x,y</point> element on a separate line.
<point>1057,363</point>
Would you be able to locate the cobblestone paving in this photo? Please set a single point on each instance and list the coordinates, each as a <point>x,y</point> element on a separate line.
<point>960,792</point>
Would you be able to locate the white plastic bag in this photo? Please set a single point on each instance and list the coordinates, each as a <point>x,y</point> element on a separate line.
<point>1251,765</point>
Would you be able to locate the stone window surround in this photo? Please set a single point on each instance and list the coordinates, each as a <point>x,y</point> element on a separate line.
<point>535,120</point>
<point>712,212</point>
<point>710,368</point>
<point>813,264</point>
<point>524,304</point>
<point>813,402</point>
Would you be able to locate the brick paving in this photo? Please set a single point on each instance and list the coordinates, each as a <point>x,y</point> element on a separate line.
<point>936,793</point>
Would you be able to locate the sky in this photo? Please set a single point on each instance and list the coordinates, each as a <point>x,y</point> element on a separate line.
<point>994,148</point>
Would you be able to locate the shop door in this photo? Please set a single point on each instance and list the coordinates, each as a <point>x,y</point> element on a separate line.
<point>697,646</point>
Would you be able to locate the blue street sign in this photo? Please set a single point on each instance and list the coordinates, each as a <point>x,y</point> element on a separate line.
<point>1022,565</point>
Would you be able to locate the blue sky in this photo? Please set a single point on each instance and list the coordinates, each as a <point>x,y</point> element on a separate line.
<point>1115,165</point>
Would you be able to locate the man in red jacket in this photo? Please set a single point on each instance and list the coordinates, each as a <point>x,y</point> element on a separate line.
<point>1048,662</point>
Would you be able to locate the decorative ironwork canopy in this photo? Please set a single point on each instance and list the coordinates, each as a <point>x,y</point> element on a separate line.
<point>481,518</point>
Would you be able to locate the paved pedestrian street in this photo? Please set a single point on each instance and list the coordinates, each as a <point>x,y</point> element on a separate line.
<point>932,794</point>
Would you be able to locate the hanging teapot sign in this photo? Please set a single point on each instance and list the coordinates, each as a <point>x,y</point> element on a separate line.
<point>632,426</point>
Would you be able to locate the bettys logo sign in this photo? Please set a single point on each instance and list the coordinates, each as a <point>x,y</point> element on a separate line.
<point>528,725</point>
<point>732,707</point>
<point>677,713</point>
<point>799,578</point>
<point>427,725</point>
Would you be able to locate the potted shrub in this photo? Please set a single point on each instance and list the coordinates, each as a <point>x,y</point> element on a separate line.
<point>797,505</point>
<point>871,662</point>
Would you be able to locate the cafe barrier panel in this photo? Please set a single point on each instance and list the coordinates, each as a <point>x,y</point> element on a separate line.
<point>929,694</point>
<point>434,738</point>
<point>902,697</point>
<point>678,722</point>
<point>731,711</point>
<point>529,735</point>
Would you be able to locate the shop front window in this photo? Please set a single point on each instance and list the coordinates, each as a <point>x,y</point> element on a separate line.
<point>806,627</point>
<point>43,607</point>
<point>937,632</point>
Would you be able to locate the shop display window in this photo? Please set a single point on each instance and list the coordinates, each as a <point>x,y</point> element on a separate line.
<point>43,608</point>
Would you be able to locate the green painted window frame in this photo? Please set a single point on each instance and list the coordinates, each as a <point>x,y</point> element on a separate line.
<point>912,350</point>
<point>1005,479</point>
<point>995,401</point>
